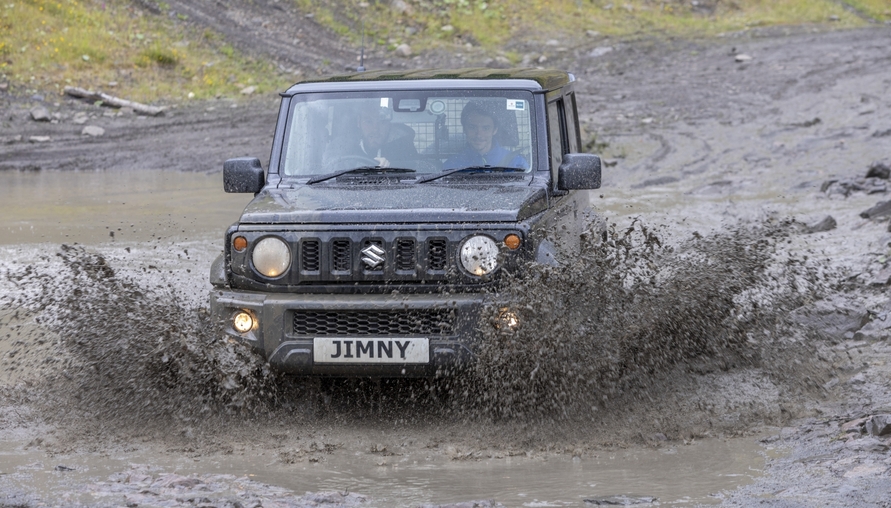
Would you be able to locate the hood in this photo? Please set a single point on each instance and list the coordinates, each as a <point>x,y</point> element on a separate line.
<point>399,203</point>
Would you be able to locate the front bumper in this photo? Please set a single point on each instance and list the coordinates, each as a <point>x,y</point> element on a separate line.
<point>288,324</point>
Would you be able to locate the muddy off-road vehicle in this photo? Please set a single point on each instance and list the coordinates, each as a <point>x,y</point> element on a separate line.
<point>394,203</point>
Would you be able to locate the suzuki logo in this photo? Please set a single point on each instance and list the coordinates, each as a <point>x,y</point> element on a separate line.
<point>373,256</point>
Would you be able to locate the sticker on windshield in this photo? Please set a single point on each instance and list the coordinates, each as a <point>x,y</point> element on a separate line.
<point>516,105</point>
<point>385,102</point>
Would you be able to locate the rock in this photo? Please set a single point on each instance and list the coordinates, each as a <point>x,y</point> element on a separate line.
<point>92,130</point>
<point>879,425</point>
<point>827,224</point>
<point>248,90</point>
<point>600,51</point>
<point>881,209</point>
<point>592,33</point>
<point>447,28</point>
<point>39,139</point>
<point>854,426</point>
<point>742,57</point>
<point>883,278</point>
<point>834,317</point>
<point>400,7</point>
<point>847,187</point>
<point>40,114</point>
<point>879,170</point>
<point>80,118</point>
<point>4,87</point>
<point>867,444</point>
<point>866,470</point>
<point>403,50</point>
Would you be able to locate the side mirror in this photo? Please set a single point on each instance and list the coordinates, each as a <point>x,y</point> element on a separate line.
<point>243,174</point>
<point>579,171</point>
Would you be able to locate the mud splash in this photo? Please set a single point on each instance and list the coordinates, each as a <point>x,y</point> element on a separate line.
<point>611,328</point>
<point>631,311</point>
<point>126,351</point>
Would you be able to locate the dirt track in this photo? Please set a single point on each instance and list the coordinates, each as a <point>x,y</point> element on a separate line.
<point>696,141</point>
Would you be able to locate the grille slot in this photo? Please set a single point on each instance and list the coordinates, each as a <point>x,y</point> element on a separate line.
<point>437,254</point>
<point>341,256</point>
<point>309,253</point>
<point>405,254</point>
<point>343,323</point>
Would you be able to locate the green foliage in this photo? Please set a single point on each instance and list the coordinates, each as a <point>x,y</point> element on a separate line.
<point>48,44</point>
<point>158,55</point>
<point>443,23</point>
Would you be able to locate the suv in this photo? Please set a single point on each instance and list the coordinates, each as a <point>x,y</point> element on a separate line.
<point>394,203</point>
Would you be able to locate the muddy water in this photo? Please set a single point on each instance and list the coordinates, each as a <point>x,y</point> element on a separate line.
<point>676,475</point>
<point>176,221</point>
<point>97,207</point>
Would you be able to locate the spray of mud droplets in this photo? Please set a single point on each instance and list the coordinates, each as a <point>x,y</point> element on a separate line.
<point>126,353</point>
<point>629,311</point>
<point>120,349</point>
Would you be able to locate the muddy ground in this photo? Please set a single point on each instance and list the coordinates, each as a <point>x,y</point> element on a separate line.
<point>767,131</point>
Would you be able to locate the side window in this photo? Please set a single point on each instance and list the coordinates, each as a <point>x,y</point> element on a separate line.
<point>556,135</point>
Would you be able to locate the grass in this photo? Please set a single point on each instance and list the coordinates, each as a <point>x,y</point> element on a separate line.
<point>491,24</point>
<point>110,46</point>
<point>46,44</point>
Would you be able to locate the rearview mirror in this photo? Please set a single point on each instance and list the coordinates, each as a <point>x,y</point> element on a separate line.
<point>243,174</point>
<point>579,171</point>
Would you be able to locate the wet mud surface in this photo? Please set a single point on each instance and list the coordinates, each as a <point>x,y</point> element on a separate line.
<point>741,352</point>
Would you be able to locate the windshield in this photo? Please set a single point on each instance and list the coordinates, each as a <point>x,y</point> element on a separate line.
<point>427,132</point>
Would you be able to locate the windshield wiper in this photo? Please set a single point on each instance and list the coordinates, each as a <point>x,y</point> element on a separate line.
<point>471,169</point>
<point>367,169</point>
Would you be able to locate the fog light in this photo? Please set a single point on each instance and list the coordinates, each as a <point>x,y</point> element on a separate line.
<point>243,321</point>
<point>508,320</point>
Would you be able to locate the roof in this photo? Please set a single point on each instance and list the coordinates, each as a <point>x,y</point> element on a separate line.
<point>548,79</point>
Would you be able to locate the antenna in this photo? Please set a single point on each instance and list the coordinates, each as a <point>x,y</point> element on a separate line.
<point>361,67</point>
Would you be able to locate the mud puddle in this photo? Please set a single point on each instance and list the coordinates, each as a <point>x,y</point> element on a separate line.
<point>677,475</point>
<point>167,229</point>
<point>96,207</point>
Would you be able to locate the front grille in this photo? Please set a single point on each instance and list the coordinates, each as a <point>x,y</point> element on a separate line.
<point>310,256</point>
<point>351,323</point>
<point>405,254</point>
<point>437,254</point>
<point>341,256</point>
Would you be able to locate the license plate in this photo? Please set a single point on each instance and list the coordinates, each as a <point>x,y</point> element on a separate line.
<point>341,350</point>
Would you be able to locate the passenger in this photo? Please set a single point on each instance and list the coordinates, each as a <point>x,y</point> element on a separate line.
<point>482,148</point>
<point>378,141</point>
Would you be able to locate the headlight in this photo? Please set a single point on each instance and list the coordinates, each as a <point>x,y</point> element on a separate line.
<point>243,321</point>
<point>271,257</point>
<point>479,255</point>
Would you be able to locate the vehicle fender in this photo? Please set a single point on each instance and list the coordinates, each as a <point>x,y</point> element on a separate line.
<point>218,271</point>
<point>546,253</point>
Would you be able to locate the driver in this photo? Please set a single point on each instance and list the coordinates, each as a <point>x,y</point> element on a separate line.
<point>377,140</point>
<point>482,149</point>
